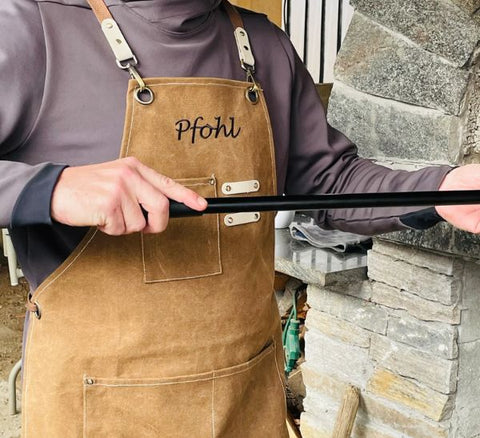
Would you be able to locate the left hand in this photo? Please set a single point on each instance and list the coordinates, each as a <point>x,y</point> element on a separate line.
<point>465,217</point>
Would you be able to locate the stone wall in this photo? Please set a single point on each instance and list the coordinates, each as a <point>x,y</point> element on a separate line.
<point>407,92</point>
<point>409,338</point>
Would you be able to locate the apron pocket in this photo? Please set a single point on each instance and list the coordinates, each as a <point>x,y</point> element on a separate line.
<point>242,401</point>
<point>251,402</point>
<point>189,247</point>
<point>142,408</point>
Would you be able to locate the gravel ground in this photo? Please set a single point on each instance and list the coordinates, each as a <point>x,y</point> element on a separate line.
<point>9,424</point>
<point>12,313</point>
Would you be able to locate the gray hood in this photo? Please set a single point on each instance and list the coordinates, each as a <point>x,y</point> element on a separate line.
<point>171,15</point>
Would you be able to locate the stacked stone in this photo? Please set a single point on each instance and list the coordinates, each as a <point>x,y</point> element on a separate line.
<point>408,338</point>
<point>406,76</point>
<point>407,92</point>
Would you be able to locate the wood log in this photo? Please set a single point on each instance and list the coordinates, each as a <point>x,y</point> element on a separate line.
<point>347,413</point>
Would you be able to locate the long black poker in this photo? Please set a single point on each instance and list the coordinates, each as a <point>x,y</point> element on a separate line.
<point>326,202</point>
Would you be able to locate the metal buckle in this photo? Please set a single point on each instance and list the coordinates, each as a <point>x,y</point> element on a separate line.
<point>129,63</point>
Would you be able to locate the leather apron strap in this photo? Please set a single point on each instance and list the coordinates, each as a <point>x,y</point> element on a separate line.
<point>126,59</point>
<point>100,10</point>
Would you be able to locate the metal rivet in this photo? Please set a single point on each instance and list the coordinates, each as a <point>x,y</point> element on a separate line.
<point>89,381</point>
<point>118,41</point>
<point>255,185</point>
<point>256,216</point>
<point>211,181</point>
<point>228,188</point>
<point>109,25</point>
<point>230,220</point>
<point>242,33</point>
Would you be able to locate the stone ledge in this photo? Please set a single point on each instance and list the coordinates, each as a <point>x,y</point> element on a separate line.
<point>435,262</point>
<point>442,237</point>
<point>411,278</point>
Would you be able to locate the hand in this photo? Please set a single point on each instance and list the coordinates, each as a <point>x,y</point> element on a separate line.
<point>465,217</point>
<point>110,196</point>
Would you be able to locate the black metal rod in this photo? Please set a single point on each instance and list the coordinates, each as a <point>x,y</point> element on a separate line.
<point>326,202</point>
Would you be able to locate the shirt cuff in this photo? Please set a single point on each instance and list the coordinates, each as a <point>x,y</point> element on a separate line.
<point>422,219</point>
<point>33,204</point>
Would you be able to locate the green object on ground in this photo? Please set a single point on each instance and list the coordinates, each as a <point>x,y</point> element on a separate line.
<point>291,338</point>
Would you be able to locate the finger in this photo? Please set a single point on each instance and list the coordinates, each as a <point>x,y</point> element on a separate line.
<point>113,224</point>
<point>158,215</point>
<point>133,217</point>
<point>172,189</point>
<point>153,202</point>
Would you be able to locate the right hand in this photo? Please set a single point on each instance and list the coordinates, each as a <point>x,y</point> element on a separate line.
<point>110,196</point>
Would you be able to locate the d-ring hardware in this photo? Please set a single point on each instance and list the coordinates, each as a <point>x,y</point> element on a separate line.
<point>142,88</point>
<point>150,96</point>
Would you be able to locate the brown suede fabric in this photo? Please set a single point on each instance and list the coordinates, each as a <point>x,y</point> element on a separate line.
<point>175,334</point>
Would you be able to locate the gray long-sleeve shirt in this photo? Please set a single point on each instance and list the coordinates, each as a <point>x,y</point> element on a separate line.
<point>62,102</point>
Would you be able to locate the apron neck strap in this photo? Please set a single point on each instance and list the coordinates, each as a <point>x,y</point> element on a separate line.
<point>100,10</point>
<point>233,14</point>
<point>127,60</point>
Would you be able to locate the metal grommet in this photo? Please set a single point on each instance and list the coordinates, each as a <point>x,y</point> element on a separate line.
<point>146,92</point>
<point>255,185</point>
<point>37,312</point>
<point>228,188</point>
<point>252,95</point>
<point>230,220</point>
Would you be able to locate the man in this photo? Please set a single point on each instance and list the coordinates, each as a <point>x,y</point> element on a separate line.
<point>161,333</point>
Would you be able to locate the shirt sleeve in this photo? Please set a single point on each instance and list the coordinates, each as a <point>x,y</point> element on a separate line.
<point>22,73</point>
<point>323,160</point>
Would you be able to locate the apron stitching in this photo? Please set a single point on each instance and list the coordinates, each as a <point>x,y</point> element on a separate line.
<point>181,278</point>
<point>213,374</point>
<point>219,251</point>
<point>270,143</point>
<point>143,258</point>
<point>198,85</point>
<point>25,386</point>
<point>278,370</point>
<point>213,406</point>
<point>84,411</point>
<point>130,129</point>
<point>39,293</point>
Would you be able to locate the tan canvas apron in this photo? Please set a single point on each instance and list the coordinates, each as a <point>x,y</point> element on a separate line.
<point>174,334</point>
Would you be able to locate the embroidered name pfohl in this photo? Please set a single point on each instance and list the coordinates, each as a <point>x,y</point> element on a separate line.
<point>206,131</point>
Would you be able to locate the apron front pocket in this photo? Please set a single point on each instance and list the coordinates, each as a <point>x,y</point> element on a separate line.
<point>189,247</point>
<point>144,408</point>
<point>242,401</point>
